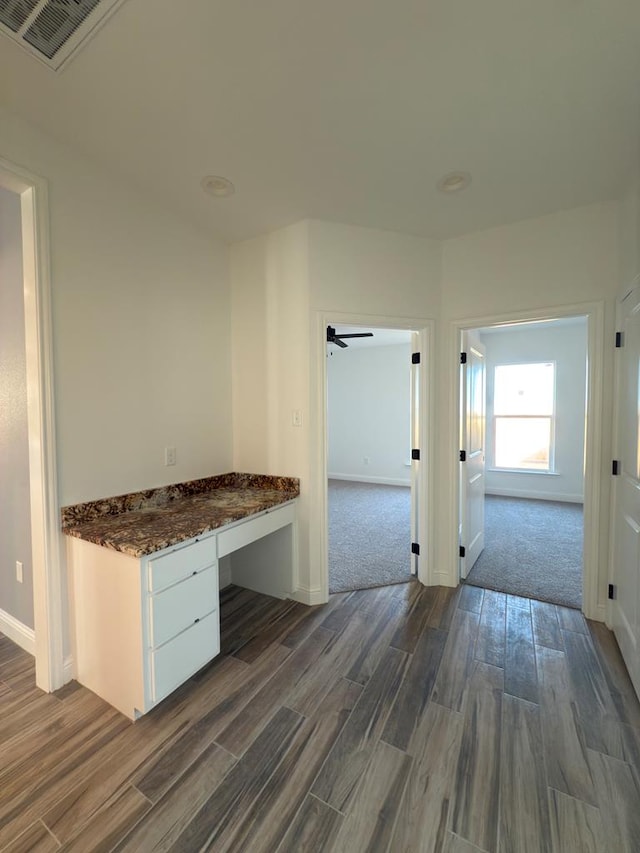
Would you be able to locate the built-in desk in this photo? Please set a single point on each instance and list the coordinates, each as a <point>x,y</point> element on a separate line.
<point>144,593</point>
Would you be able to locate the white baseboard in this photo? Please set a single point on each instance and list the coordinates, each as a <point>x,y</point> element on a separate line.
<point>381,481</point>
<point>442,579</point>
<point>536,495</point>
<point>599,614</point>
<point>18,632</point>
<point>305,595</point>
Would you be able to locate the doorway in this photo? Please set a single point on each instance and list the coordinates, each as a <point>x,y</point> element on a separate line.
<point>369,456</point>
<point>423,438</point>
<point>45,639</point>
<point>16,579</point>
<point>529,410</point>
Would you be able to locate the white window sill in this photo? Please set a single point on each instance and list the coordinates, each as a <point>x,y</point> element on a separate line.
<point>523,471</point>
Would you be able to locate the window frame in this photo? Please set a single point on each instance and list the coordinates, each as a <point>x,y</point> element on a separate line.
<point>551,469</point>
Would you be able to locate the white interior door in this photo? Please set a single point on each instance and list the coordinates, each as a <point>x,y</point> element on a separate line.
<point>626,604</point>
<point>473,440</point>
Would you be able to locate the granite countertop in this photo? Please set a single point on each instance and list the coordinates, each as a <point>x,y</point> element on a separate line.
<point>141,523</point>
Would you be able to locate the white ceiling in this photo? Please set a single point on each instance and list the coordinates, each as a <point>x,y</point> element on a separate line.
<point>351,110</point>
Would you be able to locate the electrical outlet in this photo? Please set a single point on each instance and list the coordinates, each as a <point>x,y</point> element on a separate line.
<point>169,456</point>
<point>367,459</point>
<point>18,571</point>
<point>296,418</point>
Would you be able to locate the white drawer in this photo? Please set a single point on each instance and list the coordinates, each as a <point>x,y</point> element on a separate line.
<point>178,607</point>
<point>181,657</point>
<point>248,531</point>
<point>179,564</point>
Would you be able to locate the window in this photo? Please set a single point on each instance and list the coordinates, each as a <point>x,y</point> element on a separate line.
<point>523,407</point>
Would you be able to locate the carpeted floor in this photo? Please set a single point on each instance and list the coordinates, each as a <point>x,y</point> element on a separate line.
<point>532,548</point>
<point>369,535</point>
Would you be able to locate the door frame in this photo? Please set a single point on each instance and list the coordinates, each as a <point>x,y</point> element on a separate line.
<point>46,539</point>
<point>320,519</point>
<point>592,606</point>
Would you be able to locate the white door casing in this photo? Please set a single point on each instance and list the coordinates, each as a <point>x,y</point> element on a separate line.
<point>472,480</point>
<point>45,518</point>
<point>625,607</point>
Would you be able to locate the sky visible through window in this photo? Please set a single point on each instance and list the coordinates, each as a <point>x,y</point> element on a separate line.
<point>523,405</point>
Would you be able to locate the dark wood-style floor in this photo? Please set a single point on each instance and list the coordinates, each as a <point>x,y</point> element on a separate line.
<point>399,719</point>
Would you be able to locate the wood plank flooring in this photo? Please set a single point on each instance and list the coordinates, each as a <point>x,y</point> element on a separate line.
<point>392,719</point>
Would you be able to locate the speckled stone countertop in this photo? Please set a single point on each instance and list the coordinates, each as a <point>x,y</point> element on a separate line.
<point>141,523</point>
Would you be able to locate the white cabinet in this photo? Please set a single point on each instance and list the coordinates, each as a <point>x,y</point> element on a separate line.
<point>182,625</point>
<point>143,626</point>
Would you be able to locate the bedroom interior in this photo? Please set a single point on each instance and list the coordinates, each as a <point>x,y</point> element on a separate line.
<point>368,460</point>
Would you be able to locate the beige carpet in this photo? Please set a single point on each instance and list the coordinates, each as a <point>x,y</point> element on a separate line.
<point>532,548</point>
<point>369,535</point>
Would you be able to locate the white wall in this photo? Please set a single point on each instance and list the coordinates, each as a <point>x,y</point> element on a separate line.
<point>270,334</point>
<point>281,283</point>
<point>566,345</point>
<point>563,258</point>
<point>16,599</point>
<point>141,339</point>
<point>270,362</point>
<point>628,223</point>
<point>369,415</point>
<point>140,305</point>
<point>365,271</point>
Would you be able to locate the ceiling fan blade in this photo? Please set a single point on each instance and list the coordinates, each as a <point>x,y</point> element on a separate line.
<point>334,338</point>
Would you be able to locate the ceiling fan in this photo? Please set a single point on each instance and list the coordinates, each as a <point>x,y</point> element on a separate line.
<point>334,338</point>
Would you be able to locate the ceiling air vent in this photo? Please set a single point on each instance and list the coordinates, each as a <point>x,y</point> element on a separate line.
<point>53,30</point>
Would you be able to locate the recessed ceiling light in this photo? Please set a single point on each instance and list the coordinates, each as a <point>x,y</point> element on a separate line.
<point>454,182</point>
<point>217,186</point>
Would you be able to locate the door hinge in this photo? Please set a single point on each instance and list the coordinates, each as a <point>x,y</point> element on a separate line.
<point>463,455</point>
<point>618,340</point>
<point>415,548</point>
<point>462,551</point>
<point>612,591</point>
<point>415,358</point>
<point>415,454</point>
<point>615,467</point>
<point>463,358</point>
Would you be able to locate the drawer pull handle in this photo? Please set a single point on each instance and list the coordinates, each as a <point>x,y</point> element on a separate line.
<point>196,620</point>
